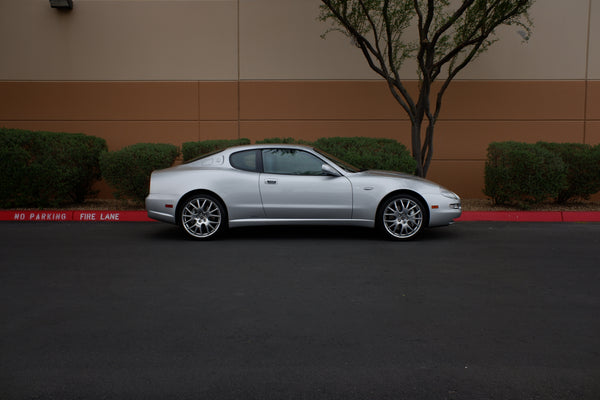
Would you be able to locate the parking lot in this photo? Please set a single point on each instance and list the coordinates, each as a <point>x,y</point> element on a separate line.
<point>476,310</point>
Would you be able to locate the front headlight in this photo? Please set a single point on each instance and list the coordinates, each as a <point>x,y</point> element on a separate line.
<point>449,194</point>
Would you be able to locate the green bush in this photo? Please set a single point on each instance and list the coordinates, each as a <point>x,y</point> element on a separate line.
<point>583,169</point>
<point>191,150</point>
<point>40,169</point>
<point>523,174</point>
<point>369,153</point>
<point>128,170</point>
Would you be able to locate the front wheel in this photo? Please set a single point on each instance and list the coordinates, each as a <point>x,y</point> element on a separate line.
<point>202,217</point>
<point>401,217</point>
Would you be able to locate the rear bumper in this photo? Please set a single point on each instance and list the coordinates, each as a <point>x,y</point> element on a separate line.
<point>161,208</point>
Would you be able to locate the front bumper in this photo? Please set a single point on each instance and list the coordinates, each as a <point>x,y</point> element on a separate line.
<point>443,210</point>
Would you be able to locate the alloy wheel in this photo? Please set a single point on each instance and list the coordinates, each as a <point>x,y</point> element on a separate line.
<point>403,217</point>
<point>201,217</point>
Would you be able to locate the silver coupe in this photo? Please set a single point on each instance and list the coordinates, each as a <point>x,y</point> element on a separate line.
<point>291,185</point>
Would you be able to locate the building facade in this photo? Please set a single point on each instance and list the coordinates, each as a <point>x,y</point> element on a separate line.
<point>173,71</point>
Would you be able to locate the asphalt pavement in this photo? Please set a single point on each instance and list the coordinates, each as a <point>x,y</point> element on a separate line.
<point>477,310</point>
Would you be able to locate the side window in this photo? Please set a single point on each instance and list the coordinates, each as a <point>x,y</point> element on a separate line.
<point>291,162</point>
<point>245,160</point>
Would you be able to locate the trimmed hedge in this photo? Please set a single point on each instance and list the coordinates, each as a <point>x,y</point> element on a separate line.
<point>523,174</point>
<point>369,153</point>
<point>191,150</point>
<point>583,169</point>
<point>128,170</point>
<point>41,169</point>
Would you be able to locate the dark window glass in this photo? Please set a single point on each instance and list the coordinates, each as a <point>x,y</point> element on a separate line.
<point>291,162</point>
<point>245,160</point>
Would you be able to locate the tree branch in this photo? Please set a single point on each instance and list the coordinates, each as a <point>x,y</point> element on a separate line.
<point>484,32</point>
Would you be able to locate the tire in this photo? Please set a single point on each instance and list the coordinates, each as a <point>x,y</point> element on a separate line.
<point>402,217</point>
<point>202,217</point>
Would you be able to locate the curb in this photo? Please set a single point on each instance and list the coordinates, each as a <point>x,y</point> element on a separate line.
<point>531,216</point>
<point>74,215</point>
<point>141,216</point>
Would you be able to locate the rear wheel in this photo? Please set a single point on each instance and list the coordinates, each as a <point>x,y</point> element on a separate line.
<point>202,217</point>
<point>401,217</point>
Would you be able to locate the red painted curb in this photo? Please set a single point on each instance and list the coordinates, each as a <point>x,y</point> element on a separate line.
<point>75,215</point>
<point>512,216</point>
<point>531,216</point>
<point>31,215</point>
<point>111,216</point>
<point>141,216</point>
<point>581,216</point>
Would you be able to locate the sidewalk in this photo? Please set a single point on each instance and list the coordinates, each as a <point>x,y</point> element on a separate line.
<point>141,216</point>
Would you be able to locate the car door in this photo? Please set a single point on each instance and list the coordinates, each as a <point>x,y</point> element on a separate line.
<point>293,186</point>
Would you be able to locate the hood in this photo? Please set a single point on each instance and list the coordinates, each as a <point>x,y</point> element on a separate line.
<point>392,174</point>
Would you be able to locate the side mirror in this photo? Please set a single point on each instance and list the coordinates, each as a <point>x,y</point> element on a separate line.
<point>329,170</point>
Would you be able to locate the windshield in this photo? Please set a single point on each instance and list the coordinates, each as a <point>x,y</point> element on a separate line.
<point>340,163</point>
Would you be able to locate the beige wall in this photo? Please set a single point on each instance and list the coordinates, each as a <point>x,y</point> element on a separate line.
<point>119,40</point>
<point>284,43</point>
<point>274,39</point>
<point>183,70</point>
<point>594,39</point>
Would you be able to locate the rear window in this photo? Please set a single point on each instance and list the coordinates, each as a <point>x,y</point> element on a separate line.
<point>245,160</point>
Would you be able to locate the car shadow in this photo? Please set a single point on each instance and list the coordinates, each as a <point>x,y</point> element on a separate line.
<point>274,233</point>
<point>301,232</point>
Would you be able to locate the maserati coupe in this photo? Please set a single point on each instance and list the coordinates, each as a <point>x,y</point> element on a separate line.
<point>294,185</point>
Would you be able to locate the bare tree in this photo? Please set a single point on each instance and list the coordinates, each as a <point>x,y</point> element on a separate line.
<point>450,34</point>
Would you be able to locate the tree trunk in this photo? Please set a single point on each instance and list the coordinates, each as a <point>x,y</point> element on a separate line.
<point>427,151</point>
<point>416,147</point>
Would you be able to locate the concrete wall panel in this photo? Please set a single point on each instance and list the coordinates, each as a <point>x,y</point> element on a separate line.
<point>119,40</point>
<point>593,133</point>
<point>318,100</point>
<point>463,177</point>
<point>469,140</point>
<point>522,100</point>
<point>218,100</point>
<point>280,39</point>
<point>372,100</point>
<point>556,50</point>
<point>98,101</point>
<point>593,100</point>
<point>211,130</point>
<point>594,39</point>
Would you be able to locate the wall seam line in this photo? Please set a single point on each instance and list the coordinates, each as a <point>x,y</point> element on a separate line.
<point>239,125</point>
<point>587,76</point>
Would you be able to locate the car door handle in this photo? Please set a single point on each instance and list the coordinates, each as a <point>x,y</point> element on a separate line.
<point>270,181</point>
